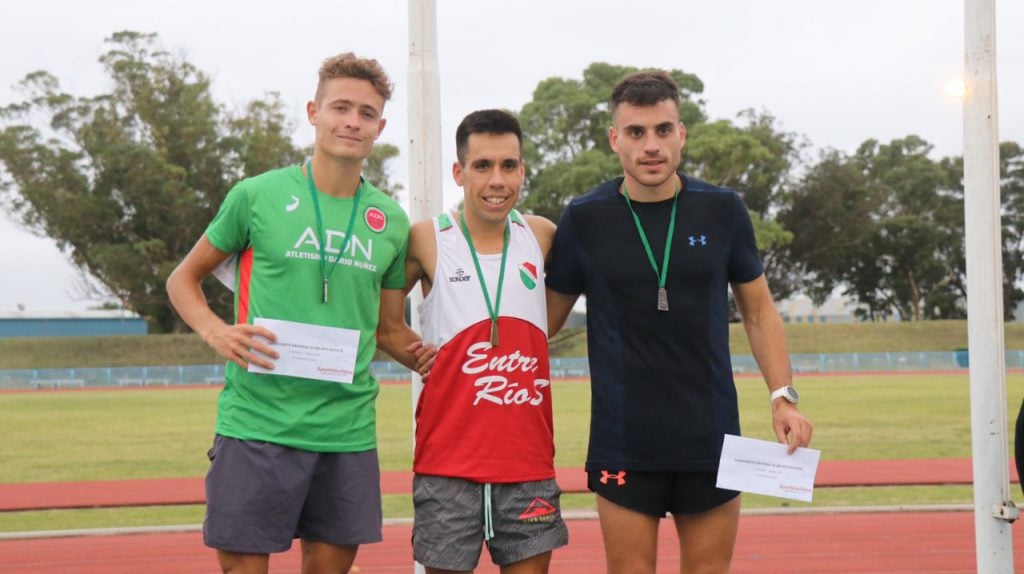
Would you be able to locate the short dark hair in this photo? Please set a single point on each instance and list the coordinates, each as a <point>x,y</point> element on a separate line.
<point>494,122</point>
<point>645,88</point>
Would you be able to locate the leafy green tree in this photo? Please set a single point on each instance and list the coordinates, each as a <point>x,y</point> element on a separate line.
<point>753,156</point>
<point>126,181</point>
<point>1011,170</point>
<point>769,233</point>
<point>260,138</point>
<point>919,244</point>
<point>828,210</point>
<point>886,226</point>
<point>550,189</point>
<point>377,171</point>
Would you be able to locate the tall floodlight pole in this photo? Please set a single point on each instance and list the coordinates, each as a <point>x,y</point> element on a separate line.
<point>424,138</point>
<point>993,509</point>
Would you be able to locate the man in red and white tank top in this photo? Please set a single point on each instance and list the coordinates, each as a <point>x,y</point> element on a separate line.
<point>484,458</point>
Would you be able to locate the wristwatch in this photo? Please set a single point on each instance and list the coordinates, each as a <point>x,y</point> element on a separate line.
<point>787,392</point>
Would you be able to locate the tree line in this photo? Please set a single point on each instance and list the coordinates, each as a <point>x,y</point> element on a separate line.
<point>126,180</point>
<point>883,226</point>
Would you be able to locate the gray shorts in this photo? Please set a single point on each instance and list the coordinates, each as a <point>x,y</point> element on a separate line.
<point>260,496</point>
<point>450,521</point>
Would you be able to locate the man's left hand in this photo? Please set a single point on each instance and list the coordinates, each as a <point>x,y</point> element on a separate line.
<point>790,426</point>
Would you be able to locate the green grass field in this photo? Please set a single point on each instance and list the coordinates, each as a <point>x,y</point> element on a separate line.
<point>104,435</point>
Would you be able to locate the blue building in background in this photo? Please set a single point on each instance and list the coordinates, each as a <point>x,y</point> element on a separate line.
<point>70,323</point>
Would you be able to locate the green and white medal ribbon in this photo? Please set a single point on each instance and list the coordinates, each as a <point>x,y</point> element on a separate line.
<point>663,273</point>
<point>325,273</point>
<point>491,310</point>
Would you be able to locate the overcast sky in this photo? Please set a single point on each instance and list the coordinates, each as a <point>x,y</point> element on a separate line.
<point>836,71</point>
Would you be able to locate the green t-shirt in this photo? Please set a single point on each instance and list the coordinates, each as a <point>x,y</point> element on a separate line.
<point>270,220</point>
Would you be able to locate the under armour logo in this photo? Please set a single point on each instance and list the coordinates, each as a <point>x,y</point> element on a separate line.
<point>293,205</point>
<point>618,477</point>
<point>698,240</point>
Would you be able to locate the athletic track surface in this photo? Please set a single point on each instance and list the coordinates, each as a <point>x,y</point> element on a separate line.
<point>939,542</point>
<point>909,541</point>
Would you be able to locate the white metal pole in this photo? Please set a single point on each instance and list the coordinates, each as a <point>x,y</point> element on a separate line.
<point>993,510</point>
<point>425,199</point>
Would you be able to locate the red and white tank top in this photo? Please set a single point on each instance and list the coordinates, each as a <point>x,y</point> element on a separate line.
<point>485,412</point>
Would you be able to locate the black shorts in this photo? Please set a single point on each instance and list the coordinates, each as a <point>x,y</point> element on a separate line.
<point>660,493</point>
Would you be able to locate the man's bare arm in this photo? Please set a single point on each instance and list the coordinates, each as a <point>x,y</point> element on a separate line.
<point>559,307</point>
<point>233,342</point>
<point>420,260</point>
<point>544,230</point>
<point>394,336</point>
<point>397,339</point>
<point>767,338</point>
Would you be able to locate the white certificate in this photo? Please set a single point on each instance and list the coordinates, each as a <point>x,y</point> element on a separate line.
<point>311,351</point>
<point>763,467</point>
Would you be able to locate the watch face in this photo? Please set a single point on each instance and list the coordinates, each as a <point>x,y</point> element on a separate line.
<point>791,395</point>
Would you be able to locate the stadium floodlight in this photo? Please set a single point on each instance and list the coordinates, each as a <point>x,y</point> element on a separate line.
<point>956,89</point>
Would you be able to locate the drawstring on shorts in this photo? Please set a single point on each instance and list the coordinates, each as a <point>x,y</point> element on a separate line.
<point>488,520</point>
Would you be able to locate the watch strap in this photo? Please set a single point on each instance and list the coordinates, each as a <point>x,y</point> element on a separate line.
<point>778,393</point>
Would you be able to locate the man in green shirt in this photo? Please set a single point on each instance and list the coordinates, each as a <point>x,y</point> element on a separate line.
<point>321,258</point>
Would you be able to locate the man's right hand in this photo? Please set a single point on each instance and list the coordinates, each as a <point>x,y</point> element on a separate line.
<point>236,343</point>
<point>425,355</point>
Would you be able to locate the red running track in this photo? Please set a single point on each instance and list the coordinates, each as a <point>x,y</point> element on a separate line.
<point>883,543</point>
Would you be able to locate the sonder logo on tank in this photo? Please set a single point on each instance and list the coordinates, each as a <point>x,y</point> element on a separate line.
<point>459,276</point>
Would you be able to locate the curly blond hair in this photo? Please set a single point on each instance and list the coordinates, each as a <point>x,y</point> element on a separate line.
<point>348,65</point>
